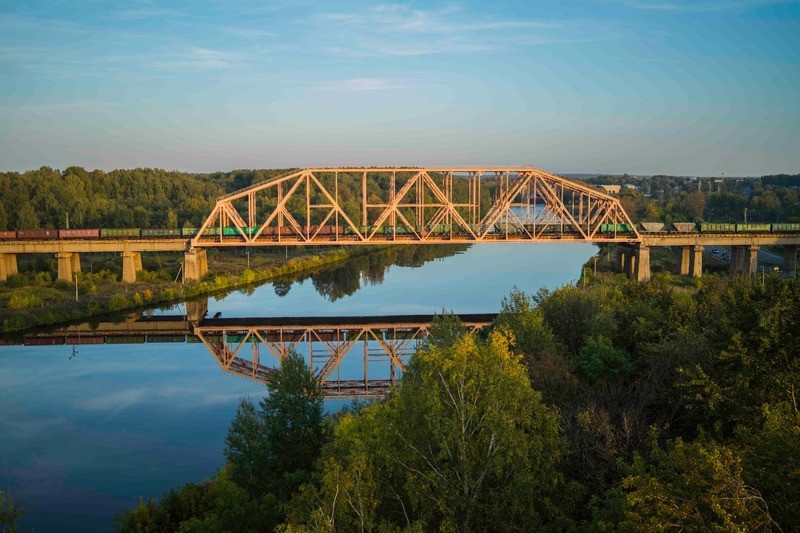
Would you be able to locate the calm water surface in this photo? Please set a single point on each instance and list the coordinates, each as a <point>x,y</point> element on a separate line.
<point>84,435</point>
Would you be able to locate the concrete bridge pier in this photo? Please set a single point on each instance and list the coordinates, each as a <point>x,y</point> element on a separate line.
<point>696,269</point>
<point>195,264</point>
<point>8,265</point>
<point>131,264</point>
<point>752,259</point>
<point>630,263</point>
<point>684,260</point>
<point>737,259</point>
<point>642,263</point>
<point>196,309</point>
<point>69,264</point>
<point>790,258</point>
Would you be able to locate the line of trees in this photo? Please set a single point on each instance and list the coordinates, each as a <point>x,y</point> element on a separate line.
<point>619,406</point>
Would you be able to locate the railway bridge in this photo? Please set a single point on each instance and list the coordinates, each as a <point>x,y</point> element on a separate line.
<point>340,206</point>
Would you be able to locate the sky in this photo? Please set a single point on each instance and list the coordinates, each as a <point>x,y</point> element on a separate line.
<point>700,87</point>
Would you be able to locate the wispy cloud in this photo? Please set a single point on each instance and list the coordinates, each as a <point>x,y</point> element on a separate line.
<point>400,30</point>
<point>147,13</point>
<point>700,6</point>
<point>196,58</point>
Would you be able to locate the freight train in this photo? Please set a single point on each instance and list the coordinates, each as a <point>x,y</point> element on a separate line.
<point>440,229</point>
<point>702,227</point>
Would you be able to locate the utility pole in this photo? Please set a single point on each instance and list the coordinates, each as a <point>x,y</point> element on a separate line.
<point>745,215</point>
<point>67,219</point>
<point>76,285</point>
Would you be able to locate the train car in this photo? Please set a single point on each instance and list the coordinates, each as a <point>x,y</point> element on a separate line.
<point>616,228</point>
<point>748,228</point>
<point>125,339</point>
<point>44,341</point>
<point>83,339</point>
<point>231,231</point>
<point>716,227</point>
<point>684,227</point>
<point>78,233</point>
<point>784,226</point>
<point>651,227</point>
<point>120,232</point>
<point>37,234</point>
<point>6,235</point>
<point>161,232</point>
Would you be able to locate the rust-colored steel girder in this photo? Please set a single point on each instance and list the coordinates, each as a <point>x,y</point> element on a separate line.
<point>358,206</point>
<point>238,350</point>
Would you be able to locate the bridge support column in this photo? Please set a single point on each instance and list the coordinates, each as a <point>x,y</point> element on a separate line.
<point>196,309</point>
<point>131,263</point>
<point>684,260</point>
<point>790,257</point>
<point>630,263</point>
<point>8,265</point>
<point>752,259</point>
<point>75,262</point>
<point>737,259</point>
<point>195,264</point>
<point>621,260</point>
<point>66,263</point>
<point>697,262</point>
<point>642,272</point>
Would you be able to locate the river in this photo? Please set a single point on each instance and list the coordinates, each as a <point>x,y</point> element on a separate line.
<point>86,431</point>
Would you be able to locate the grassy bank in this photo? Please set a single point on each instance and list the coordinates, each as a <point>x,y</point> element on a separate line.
<point>33,299</point>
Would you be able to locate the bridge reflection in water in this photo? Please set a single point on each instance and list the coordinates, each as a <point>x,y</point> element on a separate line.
<point>351,357</point>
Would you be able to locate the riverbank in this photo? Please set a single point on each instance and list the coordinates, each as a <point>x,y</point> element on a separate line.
<point>35,300</point>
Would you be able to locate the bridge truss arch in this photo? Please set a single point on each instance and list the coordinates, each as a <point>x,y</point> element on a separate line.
<point>358,206</point>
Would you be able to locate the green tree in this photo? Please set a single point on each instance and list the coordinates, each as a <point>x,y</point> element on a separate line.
<point>772,461</point>
<point>688,487</point>
<point>272,449</point>
<point>599,360</point>
<point>463,444</point>
<point>27,217</point>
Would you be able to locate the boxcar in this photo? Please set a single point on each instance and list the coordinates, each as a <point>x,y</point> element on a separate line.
<point>120,232</point>
<point>37,234</point>
<point>618,228</point>
<point>78,233</point>
<point>8,234</point>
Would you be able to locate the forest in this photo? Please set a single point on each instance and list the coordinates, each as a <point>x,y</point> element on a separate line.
<point>615,406</point>
<point>145,198</point>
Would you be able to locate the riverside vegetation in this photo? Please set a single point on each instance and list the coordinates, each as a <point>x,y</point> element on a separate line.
<point>614,406</point>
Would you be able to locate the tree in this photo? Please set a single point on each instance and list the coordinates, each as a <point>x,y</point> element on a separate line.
<point>10,512</point>
<point>26,217</point>
<point>688,487</point>
<point>272,449</point>
<point>463,444</point>
<point>599,360</point>
<point>695,205</point>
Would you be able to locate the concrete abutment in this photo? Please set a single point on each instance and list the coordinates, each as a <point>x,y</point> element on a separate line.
<point>8,266</point>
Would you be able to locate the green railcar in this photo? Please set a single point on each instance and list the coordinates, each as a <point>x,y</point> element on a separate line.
<point>745,228</point>
<point>786,227</point>
<point>616,228</point>
<point>188,232</point>
<point>230,231</point>
<point>121,232</point>
<point>716,227</point>
<point>161,232</point>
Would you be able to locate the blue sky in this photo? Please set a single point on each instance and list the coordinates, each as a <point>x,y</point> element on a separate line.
<point>638,86</point>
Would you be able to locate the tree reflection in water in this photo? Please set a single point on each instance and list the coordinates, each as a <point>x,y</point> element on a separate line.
<point>344,279</point>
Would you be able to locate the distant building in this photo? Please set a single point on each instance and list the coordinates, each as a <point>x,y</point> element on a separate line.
<point>611,189</point>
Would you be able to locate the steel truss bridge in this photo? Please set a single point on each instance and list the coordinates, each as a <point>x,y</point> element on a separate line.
<point>351,357</point>
<point>415,205</point>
